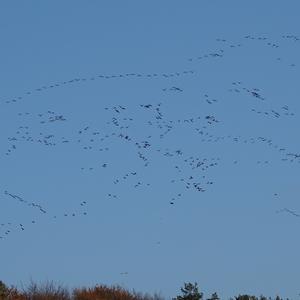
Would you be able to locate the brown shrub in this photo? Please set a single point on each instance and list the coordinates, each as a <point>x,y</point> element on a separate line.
<point>46,291</point>
<point>102,292</point>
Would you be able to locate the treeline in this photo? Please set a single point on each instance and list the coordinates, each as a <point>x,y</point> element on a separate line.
<point>51,291</point>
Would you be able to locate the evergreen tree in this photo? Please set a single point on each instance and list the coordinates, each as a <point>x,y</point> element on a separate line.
<point>214,296</point>
<point>245,297</point>
<point>262,297</point>
<point>190,292</point>
<point>3,290</point>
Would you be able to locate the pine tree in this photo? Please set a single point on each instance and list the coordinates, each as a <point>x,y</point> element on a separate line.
<point>190,292</point>
<point>214,296</point>
<point>3,290</point>
<point>245,297</point>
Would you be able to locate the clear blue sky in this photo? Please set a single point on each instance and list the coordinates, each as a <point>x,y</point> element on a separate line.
<point>168,128</point>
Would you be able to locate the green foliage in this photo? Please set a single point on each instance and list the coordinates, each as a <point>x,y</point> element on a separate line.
<point>3,290</point>
<point>214,296</point>
<point>190,292</point>
<point>245,297</point>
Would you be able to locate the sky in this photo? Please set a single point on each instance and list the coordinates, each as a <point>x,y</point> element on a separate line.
<point>151,143</point>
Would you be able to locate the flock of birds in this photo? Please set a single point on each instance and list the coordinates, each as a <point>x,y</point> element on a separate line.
<point>124,128</point>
